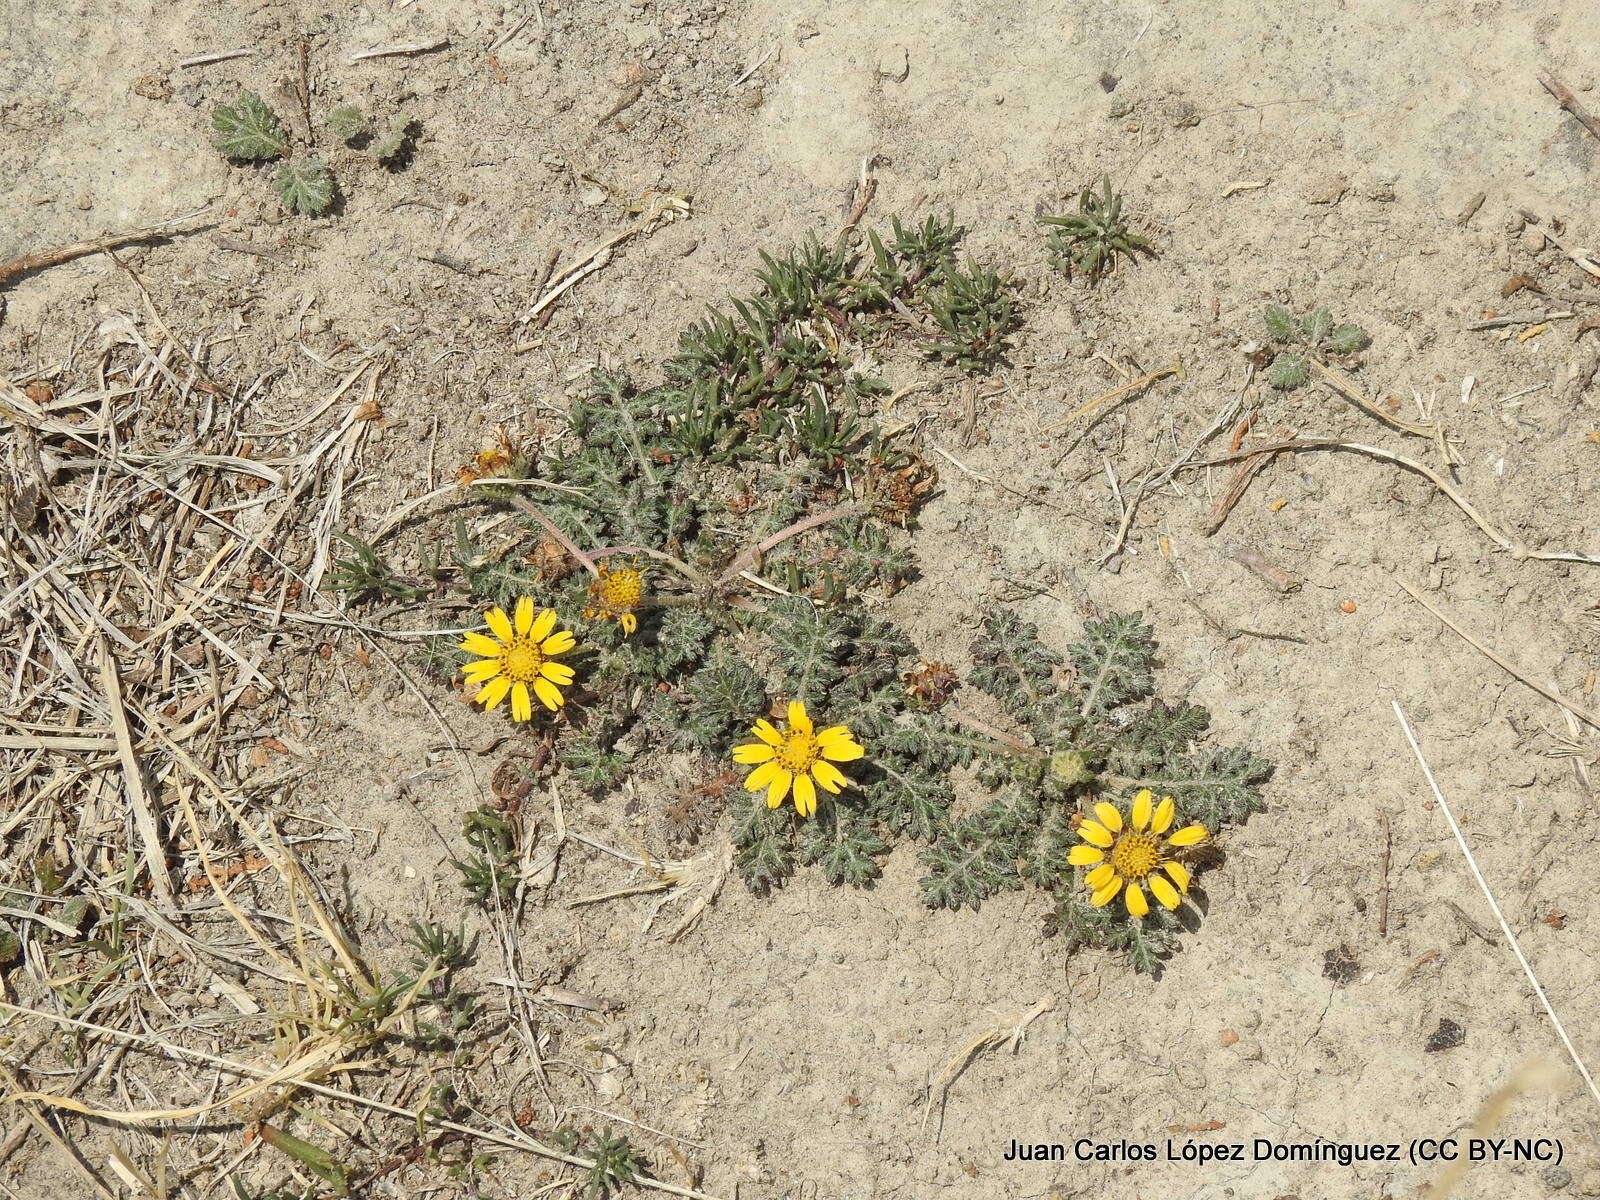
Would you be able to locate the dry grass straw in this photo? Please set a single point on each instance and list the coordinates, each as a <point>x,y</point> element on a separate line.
<point>136,525</point>
<point>1007,1035</point>
<point>1494,906</point>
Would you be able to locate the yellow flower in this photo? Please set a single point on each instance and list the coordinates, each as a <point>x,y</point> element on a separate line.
<point>798,757</point>
<point>1135,854</point>
<point>518,657</point>
<point>616,594</point>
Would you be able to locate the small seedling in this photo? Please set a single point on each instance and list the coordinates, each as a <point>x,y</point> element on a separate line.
<point>975,311</point>
<point>1088,242</point>
<point>396,143</point>
<point>304,186</point>
<point>348,123</point>
<point>249,130</point>
<point>1314,335</point>
<point>615,1164</point>
<point>365,574</point>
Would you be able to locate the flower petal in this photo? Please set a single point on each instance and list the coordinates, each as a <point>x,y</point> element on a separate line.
<point>799,719</point>
<point>476,643</point>
<point>1101,877</point>
<point>1103,897</point>
<point>805,795</point>
<point>521,703</point>
<point>767,733</point>
<point>829,776</point>
<point>833,734</point>
<point>761,776</point>
<point>778,788</point>
<point>558,643</point>
<point>1141,809</point>
<point>499,623</point>
<point>1096,834</point>
<point>1138,906</point>
<point>542,625</point>
<point>755,752</point>
<point>493,692</point>
<point>1165,892</point>
<point>477,672</point>
<point>1084,856</point>
<point>524,618</point>
<point>1163,818</point>
<point>1188,835</point>
<point>630,624</point>
<point>557,673</point>
<point>1109,816</point>
<point>549,695</point>
<point>842,751</point>
<point>1179,873</point>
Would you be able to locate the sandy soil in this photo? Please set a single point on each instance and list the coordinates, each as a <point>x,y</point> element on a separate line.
<point>786,1044</point>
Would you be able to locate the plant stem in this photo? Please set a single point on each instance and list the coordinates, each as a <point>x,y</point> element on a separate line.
<point>578,556</point>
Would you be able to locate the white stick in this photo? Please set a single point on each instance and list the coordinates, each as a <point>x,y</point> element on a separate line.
<point>1494,907</point>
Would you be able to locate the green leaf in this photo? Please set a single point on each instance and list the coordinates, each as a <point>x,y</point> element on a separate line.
<point>304,186</point>
<point>347,123</point>
<point>1288,371</point>
<point>1280,323</point>
<point>1114,662</point>
<point>1347,339</point>
<point>248,129</point>
<point>1316,327</point>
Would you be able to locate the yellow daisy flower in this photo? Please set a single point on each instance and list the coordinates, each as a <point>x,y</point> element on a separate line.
<point>1133,853</point>
<point>799,758</point>
<point>616,593</point>
<point>519,656</point>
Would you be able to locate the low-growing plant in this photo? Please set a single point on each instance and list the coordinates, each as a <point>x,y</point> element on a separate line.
<point>615,1164</point>
<point>247,130</point>
<point>1313,336</point>
<point>1089,242</point>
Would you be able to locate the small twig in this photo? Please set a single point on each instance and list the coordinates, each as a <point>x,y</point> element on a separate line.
<point>1521,318</point>
<point>1237,486</point>
<point>1255,561</point>
<point>989,731</point>
<point>1515,548</point>
<point>1520,675</point>
<point>1383,887</point>
<point>1132,385</point>
<point>1494,906</point>
<point>753,555</point>
<point>578,556</point>
<point>216,56</point>
<point>398,49</point>
<point>1570,102</point>
<point>61,254</point>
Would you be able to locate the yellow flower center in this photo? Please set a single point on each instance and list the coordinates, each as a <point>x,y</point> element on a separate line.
<point>521,660</point>
<point>621,589</point>
<point>1135,855</point>
<point>798,752</point>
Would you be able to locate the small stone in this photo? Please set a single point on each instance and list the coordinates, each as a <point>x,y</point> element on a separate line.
<point>752,98</point>
<point>1429,859</point>
<point>85,202</point>
<point>1228,1038</point>
<point>1555,1178</point>
<point>1533,239</point>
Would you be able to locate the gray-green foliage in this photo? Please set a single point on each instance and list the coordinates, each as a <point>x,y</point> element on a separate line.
<point>1314,335</point>
<point>1091,727</point>
<point>247,129</point>
<point>303,185</point>
<point>348,123</point>
<point>1089,241</point>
